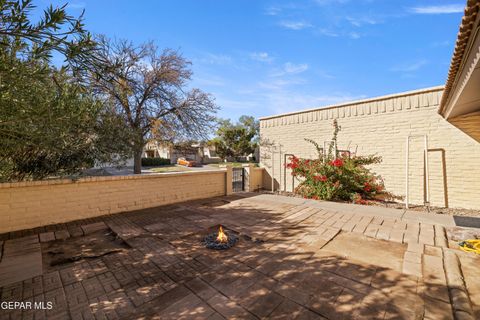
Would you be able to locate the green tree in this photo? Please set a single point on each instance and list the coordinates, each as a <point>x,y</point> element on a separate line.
<point>55,31</point>
<point>236,140</point>
<point>49,123</point>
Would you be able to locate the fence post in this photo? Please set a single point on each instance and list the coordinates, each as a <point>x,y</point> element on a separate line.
<point>249,181</point>
<point>228,178</point>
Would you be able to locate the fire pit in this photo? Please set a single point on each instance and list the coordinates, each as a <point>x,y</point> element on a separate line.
<point>220,240</point>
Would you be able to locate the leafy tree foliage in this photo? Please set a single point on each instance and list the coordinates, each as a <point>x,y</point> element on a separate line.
<point>55,31</point>
<point>148,89</point>
<point>236,140</point>
<point>49,124</point>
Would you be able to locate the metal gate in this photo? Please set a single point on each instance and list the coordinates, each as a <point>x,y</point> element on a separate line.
<point>238,179</point>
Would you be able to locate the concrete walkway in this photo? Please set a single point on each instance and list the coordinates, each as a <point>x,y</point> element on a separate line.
<point>296,259</point>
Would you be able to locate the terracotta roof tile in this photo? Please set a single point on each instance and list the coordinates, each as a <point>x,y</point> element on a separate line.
<point>465,31</point>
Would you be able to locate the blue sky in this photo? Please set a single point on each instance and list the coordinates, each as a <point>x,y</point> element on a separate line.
<point>267,57</point>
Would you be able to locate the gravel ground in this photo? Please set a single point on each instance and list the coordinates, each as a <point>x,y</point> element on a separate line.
<point>437,210</point>
<point>416,208</point>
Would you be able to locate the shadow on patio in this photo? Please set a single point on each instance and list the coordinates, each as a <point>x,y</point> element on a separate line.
<point>168,274</point>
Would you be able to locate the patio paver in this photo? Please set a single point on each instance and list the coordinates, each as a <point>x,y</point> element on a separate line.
<point>288,264</point>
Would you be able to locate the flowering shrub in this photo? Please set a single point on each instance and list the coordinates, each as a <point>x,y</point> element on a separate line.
<point>343,178</point>
<point>337,178</point>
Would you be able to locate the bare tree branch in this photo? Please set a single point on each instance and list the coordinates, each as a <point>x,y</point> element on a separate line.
<point>149,89</point>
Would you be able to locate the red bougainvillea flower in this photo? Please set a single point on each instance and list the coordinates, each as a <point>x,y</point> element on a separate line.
<point>337,163</point>
<point>320,178</point>
<point>293,163</point>
<point>359,200</point>
<point>367,187</point>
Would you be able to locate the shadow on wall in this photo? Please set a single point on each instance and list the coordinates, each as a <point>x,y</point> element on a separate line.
<point>267,181</point>
<point>444,174</point>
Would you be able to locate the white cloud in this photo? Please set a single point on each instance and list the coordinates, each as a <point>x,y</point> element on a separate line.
<point>220,59</point>
<point>438,9</point>
<point>290,68</point>
<point>272,11</point>
<point>410,67</point>
<point>295,68</point>
<point>280,96</point>
<point>354,35</point>
<point>287,101</point>
<point>326,32</point>
<point>261,56</point>
<point>209,80</point>
<point>278,84</point>
<point>361,21</point>
<point>295,25</point>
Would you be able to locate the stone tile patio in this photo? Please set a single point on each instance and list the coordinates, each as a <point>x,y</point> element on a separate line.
<point>296,259</point>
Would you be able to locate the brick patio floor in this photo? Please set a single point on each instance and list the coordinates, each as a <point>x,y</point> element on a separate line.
<point>290,263</point>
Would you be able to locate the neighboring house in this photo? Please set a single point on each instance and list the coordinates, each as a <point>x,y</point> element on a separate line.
<point>199,152</point>
<point>448,115</point>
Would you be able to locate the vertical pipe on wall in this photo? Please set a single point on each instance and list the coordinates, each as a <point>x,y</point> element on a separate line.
<point>280,167</point>
<point>273,170</point>
<point>406,172</point>
<point>427,183</point>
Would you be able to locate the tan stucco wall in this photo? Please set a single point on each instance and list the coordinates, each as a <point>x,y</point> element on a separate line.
<point>257,179</point>
<point>380,126</point>
<point>32,204</point>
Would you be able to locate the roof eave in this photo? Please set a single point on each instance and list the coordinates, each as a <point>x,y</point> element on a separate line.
<point>468,27</point>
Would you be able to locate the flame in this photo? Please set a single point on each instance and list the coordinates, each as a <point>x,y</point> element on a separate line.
<point>222,237</point>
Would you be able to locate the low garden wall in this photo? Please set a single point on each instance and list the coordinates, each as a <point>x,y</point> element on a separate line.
<point>26,205</point>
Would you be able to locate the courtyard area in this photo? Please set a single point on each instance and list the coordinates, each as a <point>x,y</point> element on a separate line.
<point>295,259</point>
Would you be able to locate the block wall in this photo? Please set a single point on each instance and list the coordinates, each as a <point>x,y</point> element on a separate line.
<point>31,204</point>
<point>381,126</point>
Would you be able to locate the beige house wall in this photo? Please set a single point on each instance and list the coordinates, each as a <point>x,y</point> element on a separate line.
<point>380,126</point>
<point>31,204</point>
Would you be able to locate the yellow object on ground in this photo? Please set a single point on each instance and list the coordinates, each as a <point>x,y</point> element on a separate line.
<point>470,246</point>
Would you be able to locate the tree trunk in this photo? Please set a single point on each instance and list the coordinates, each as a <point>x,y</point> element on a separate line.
<point>137,160</point>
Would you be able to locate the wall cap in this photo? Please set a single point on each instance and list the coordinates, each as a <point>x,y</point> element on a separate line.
<point>106,178</point>
<point>350,103</point>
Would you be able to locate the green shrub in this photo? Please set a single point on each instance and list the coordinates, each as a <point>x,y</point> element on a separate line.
<point>342,178</point>
<point>151,162</point>
<point>339,177</point>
